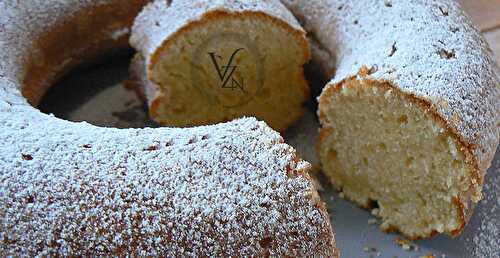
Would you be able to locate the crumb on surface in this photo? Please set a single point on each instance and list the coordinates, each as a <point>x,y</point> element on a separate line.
<point>406,244</point>
<point>369,249</point>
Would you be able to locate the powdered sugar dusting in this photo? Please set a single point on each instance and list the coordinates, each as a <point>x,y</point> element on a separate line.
<point>68,188</point>
<point>117,34</point>
<point>234,189</point>
<point>94,191</point>
<point>161,19</point>
<point>429,50</point>
<point>20,23</point>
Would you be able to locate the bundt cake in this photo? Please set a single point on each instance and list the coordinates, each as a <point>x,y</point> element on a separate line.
<point>410,119</point>
<point>74,189</point>
<point>202,62</point>
<point>410,122</point>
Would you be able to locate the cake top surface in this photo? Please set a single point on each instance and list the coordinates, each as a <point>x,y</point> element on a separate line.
<point>233,188</point>
<point>430,50</point>
<point>161,19</point>
<point>20,23</point>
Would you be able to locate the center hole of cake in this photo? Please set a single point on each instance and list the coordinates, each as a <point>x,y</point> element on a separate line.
<point>99,94</point>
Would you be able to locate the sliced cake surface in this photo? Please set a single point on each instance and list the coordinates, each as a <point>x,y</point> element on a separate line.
<point>410,118</point>
<point>210,61</point>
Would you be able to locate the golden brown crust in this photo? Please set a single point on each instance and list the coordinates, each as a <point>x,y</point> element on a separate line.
<point>456,84</point>
<point>464,206</point>
<point>214,16</point>
<point>89,44</point>
<point>221,14</point>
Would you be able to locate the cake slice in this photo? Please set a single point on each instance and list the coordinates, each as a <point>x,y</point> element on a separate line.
<point>202,62</point>
<point>410,117</point>
<point>388,151</point>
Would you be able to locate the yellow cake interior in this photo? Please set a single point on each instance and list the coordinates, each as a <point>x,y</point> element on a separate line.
<point>230,66</point>
<point>383,151</point>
